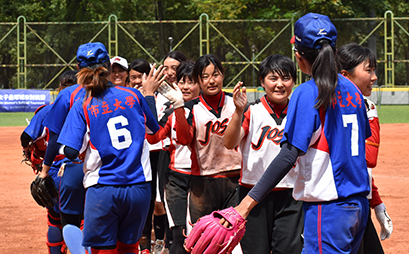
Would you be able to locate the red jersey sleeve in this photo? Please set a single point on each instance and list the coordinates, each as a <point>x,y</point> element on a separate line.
<point>163,133</point>
<point>246,122</point>
<point>376,199</point>
<point>372,143</point>
<point>184,131</point>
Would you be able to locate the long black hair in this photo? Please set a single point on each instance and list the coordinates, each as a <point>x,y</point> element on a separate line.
<point>324,67</point>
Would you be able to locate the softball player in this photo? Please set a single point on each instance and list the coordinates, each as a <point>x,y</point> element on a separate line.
<point>72,192</point>
<point>359,64</point>
<point>276,224</point>
<point>215,169</point>
<point>117,181</point>
<point>37,132</point>
<point>325,134</point>
<point>177,186</point>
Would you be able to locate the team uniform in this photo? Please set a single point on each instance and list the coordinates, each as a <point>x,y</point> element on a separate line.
<point>72,192</point>
<point>38,132</point>
<point>370,242</point>
<point>177,187</point>
<point>331,172</point>
<point>117,176</point>
<point>215,169</point>
<point>276,223</point>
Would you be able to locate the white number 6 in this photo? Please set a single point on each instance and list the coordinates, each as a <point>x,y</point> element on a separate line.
<point>115,133</point>
<point>352,119</point>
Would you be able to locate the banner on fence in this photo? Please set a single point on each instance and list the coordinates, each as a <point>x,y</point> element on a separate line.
<point>21,100</point>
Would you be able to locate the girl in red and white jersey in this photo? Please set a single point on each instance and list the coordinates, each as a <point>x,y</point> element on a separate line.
<point>177,187</point>
<point>276,223</point>
<point>359,64</point>
<point>215,169</point>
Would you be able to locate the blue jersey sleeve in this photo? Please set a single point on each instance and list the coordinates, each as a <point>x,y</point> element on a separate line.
<point>36,127</point>
<point>60,108</point>
<point>74,128</point>
<point>151,121</point>
<point>302,116</point>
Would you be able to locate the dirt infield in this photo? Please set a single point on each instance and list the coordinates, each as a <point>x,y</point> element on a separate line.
<point>23,223</point>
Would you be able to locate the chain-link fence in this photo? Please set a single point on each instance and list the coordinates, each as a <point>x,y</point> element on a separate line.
<point>34,54</point>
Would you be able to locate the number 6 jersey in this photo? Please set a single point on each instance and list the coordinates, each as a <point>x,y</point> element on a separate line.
<point>111,129</point>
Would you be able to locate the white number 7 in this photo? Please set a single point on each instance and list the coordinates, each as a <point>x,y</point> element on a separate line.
<point>115,133</point>
<point>352,119</point>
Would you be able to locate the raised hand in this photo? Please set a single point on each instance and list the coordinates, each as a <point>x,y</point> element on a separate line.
<point>151,82</point>
<point>240,97</point>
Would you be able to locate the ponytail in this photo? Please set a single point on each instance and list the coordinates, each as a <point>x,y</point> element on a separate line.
<point>324,70</point>
<point>325,74</point>
<point>94,79</point>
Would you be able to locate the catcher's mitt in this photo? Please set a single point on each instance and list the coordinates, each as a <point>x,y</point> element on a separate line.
<point>209,236</point>
<point>44,191</point>
<point>34,154</point>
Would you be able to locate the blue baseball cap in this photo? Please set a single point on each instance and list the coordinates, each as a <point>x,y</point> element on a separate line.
<point>311,28</point>
<point>91,53</point>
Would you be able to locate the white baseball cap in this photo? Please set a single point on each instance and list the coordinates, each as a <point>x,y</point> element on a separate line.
<point>121,61</point>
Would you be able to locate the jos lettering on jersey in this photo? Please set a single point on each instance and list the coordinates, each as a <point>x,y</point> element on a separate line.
<point>267,132</point>
<point>216,127</point>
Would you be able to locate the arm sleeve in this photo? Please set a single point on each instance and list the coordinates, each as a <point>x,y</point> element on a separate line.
<point>276,171</point>
<point>25,139</point>
<point>70,153</point>
<point>163,133</point>
<point>184,131</point>
<point>372,143</point>
<point>52,149</point>
<point>376,199</point>
<point>152,106</point>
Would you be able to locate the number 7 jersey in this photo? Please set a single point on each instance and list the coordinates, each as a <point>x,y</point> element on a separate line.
<point>111,129</point>
<point>333,141</point>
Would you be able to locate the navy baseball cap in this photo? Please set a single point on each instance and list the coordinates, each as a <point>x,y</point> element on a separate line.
<point>311,28</point>
<point>91,53</point>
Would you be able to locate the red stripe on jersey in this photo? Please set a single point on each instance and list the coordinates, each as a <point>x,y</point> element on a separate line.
<point>84,106</point>
<point>319,228</point>
<point>208,107</point>
<point>322,143</point>
<point>266,105</point>
<point>129,91</point>
<point>72,96</point>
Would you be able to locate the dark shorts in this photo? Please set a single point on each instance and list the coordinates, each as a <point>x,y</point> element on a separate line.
<point>275,225</point>
<point>115,213</point>
<point>208,194</point>
<point>177,190</point>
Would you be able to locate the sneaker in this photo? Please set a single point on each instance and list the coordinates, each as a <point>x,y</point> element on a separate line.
<point>145,251</point>
<point>158,246</point>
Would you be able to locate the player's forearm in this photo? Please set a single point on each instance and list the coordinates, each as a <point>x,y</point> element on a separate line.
<point>52,149</point>
<point>234,132</point>
<point>245,206</point>
<point>184,132</point>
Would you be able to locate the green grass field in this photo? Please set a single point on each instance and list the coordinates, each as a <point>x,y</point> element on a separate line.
<point>387,114</point>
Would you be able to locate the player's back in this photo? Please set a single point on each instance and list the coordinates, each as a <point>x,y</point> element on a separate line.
<point>117,131</point>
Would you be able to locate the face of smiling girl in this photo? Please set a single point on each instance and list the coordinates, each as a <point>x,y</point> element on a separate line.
<point>211,81</point>
<point>118,75</point>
